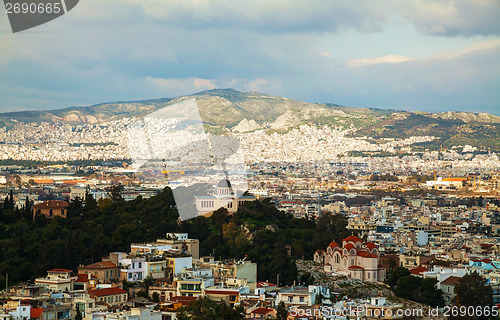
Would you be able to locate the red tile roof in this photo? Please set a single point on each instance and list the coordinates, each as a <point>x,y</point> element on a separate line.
<point>370,245</point>
<point>352,238</point>
<point>265,284</point>
<point>107,291</point>
<point>59,270</point>
<point>349,246</point>
<point>355,267</point>
<point>450,281</point>
<point>226,292</point>
<point>419,271</point>
<point>183,300</point>
<point>82,277</point>
<point>262,311</point>
<point>366,254</point>
<point>36,313</point>
<point>100,265</point>
<point>333,245</point>
<point>51,204</point>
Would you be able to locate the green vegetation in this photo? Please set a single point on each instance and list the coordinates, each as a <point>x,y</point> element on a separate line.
<point>29,247</point>
<point>451,132</point>
<point>473,290</point>
<point>282,311</point>
<point>414,288</point>
<point>420,290</point>
<point>207,309</point>
<point>383,177</point>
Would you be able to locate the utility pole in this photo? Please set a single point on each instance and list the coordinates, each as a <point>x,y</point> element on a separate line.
<point>278,280</point>
<point>6,282</point>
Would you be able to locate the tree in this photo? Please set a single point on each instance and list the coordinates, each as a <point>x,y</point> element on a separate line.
<point>208,309</point>
<point>473,290</point>
<point>331,226</point>
<point>90,203</point>
<point>429,294</point>
<point>282,312</point>
<point>115,194</point>
<point>148,282</point>
<point>394,276</point>
<point>408,287</point>
<point>156,297</point>
<point>419,290</point>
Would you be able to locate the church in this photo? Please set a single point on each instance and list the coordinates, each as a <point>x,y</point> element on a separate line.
<point>224,197</point>
<point>355,259</point>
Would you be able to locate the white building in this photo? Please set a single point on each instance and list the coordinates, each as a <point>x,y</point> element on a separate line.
<point>57,280</point>
<point>302,296</point>
<point>224,198</point>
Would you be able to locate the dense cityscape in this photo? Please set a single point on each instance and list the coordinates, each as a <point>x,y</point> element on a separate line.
<point>404,234</point>
<point>249,160</point>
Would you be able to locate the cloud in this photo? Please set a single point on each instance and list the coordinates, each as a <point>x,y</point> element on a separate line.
<point>447,18</point>
<point>119,50</point>
<point>385,59</point>
<point>483,45</point>
<point>179,86</point>
<point>270,16</point>
<point>452,17</point>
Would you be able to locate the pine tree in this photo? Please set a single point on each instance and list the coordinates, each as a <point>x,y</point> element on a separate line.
<point>90,202</point>
<point>282,312</point>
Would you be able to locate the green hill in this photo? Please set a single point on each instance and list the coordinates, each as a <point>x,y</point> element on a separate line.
<point>225,110</point>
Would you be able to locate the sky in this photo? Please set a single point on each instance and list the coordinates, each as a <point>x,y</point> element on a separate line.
<point>423,55</point>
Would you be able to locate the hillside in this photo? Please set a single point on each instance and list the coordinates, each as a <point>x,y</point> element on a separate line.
<point>226,110</point>
<point>219,107</point>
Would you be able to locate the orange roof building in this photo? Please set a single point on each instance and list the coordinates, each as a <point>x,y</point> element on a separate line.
<point>51,208</point>
<point>110,296</point>
<point>103,271</point>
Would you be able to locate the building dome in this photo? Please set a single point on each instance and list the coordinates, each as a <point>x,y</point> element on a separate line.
<point>224,183</point>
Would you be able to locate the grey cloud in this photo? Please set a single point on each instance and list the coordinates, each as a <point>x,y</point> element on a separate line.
<point>452,17</point>
<point>447,18</point>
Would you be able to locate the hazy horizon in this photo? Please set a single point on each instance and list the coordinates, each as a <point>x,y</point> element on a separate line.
<point>415,55</point>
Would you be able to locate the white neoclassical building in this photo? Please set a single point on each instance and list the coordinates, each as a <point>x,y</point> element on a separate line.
<point>224,197</point>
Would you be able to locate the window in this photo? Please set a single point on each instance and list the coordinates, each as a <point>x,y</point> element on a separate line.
<point>290,299</point>
<point>140,265</point>
<point>301,299</point>
<point>107,274</point>
<point>368,275</point>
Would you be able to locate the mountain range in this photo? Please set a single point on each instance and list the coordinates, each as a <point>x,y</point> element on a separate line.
<point>228,110</point>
